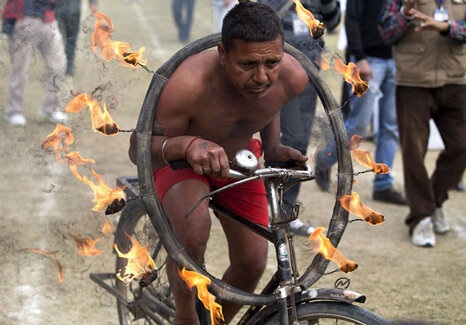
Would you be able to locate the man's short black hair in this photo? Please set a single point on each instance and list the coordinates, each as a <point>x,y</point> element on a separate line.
<point>250,22</point>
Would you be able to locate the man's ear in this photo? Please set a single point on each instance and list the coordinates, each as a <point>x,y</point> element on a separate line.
<point>221,53</point>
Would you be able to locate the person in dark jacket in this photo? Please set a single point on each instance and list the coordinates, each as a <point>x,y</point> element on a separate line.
<point>373,59</point>
<point>297,115</point>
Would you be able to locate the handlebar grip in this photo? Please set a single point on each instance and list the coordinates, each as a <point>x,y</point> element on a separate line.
<point>282,164</point>
<point>179,164</point>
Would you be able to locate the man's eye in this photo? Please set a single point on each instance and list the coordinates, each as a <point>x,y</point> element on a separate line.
<point>248,65</point>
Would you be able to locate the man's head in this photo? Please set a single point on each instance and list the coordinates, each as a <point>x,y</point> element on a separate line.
<point>250,22</point>
<point>251,50</point>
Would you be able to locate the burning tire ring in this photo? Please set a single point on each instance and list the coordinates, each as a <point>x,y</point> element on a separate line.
<point>148,192</point>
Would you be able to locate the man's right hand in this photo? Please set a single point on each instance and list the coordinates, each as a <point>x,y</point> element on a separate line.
<point>207,158</point>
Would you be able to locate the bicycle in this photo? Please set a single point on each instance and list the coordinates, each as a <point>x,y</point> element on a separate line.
<point>286,297</point>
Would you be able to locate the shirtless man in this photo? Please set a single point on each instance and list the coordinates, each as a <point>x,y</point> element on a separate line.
<point>210,108</point>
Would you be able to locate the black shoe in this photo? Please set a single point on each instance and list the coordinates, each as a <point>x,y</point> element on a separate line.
<point>390,196</point>
<point>323,178</point>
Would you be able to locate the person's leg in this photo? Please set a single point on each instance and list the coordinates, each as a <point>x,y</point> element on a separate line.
<point>21,48</point>
<point>193,234</point>
<point>450,119</point>
<point>248,259</point>
<point>71,40</point>
<point>189,20</point>
<point>387,135</point>
<point>51,48</point>
<point>413,126</point>
<point>296,119</point>
<point>177,6</point>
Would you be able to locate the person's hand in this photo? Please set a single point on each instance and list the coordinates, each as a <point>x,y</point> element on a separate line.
<point>408,5</point>
<point>282,153</point>
<point>428,22</point>
<point>365,71</point>
<point>207,158</point>
<point>94,8</point>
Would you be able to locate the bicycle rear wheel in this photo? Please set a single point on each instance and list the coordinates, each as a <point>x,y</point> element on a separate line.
<point>331,312</point>
<point>154,303</point>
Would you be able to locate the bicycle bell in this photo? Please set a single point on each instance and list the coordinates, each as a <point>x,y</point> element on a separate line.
<point>245,162</point>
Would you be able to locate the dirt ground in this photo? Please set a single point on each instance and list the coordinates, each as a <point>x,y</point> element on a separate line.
<point>42,205</point>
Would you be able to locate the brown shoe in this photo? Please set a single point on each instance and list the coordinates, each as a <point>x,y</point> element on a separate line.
<point>389,196</point>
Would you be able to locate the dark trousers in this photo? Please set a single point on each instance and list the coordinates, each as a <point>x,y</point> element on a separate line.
<point>69,23</point>
<point>415,107</point>
<point>183,16</point>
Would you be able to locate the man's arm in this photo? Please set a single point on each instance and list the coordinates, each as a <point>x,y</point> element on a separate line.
<point>354,10</point>
<point>394,19</point>
<point>331,13</point>
<point>453,29</point>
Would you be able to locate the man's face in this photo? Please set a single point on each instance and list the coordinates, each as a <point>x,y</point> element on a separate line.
<point>252,67</point>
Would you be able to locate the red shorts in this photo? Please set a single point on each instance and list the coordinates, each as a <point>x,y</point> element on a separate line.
<point>248,199</point>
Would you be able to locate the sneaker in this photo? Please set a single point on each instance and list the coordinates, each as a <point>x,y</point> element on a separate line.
<point>441,225</point>
<point>54,117</point>
<point>16,120</point>
<point>460,187</point>
<point>389,196</point>
<point>299,228</point>
<point>423,234</point>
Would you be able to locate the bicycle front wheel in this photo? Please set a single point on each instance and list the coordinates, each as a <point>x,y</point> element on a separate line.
<point>152,304</point>
<point>331,312</point>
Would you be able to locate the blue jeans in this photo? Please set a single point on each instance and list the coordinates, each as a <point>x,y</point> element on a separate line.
<point>183,15</point>
<point>359,117</point>
<point>296,119</point>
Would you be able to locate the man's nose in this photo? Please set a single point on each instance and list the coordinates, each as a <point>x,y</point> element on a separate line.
<point>261,75</point>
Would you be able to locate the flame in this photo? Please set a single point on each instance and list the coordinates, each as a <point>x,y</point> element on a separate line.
<point>101,119</point>
<point>355,141</point>
<point>139,262</point>
<point>58,141</point>
<point>107,228</point>
<point>364,157</point>
<point>201,282</point>
<point>316,27</point>
<point>74,159</point>
<point>323,63</point>
<point>322,245</point>
<point>351,75</point>
<point>103,194</point>
<point>50,255</point>
<point>352,203</point>
<point>121,51</point>
<point>86,246</point>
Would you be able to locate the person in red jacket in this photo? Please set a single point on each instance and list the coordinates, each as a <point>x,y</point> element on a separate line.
<point>31,25</point>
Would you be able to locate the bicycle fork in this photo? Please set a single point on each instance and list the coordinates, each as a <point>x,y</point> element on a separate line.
<point>287,269</point>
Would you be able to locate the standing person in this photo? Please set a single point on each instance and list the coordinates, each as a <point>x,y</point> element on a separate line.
<point>430,55</point>
<point>183,15</point>
<point>374,60</point>
<point>297,115</point>
<point>69,19</point>
<point>219,10</point>
<point>30,25</point>
<point>232,93</point>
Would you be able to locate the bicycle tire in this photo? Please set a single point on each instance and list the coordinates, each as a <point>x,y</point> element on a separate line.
<point>331,312</point>
<point>135,222</point>
<point>148,192</point>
